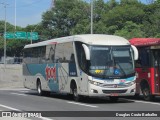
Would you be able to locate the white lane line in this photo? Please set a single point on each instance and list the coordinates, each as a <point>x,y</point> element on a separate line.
<point>82,104</point>
<point>9,89</point>
<point>26,91</point>
<point>44,118</point>
<point>11,108</point>
<point>138,101</point>
<point>147,102</point>
<point>18,94</point>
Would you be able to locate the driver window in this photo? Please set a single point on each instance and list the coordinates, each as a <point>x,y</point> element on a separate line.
<point>81,56</point>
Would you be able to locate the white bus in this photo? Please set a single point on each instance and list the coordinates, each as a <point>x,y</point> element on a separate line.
<point>81,65</point>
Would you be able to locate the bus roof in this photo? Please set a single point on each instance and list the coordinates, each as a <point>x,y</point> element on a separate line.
<point>144,41</point>
<point>94,39</point>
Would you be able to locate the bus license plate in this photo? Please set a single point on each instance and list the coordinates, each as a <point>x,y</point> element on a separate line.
<point>114,94</point>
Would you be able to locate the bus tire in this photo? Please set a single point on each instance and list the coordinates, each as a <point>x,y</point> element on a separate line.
<point>146,93</point>
<point>39,88</point>
<point>113,99</point>
<point>76,96</point>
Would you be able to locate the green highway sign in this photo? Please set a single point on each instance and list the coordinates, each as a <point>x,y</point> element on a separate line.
<point>20,35</point>
<point>32,35</point>
<point>9,35</point>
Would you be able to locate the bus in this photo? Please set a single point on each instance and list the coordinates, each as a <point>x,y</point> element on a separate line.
<point>91,65</point>
<point>147,67</point>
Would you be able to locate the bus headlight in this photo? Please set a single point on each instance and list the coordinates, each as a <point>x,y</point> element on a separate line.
<point>130,83</point>
<point>94,82</point>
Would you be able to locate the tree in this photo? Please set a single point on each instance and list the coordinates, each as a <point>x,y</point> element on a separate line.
<point>65,18</point>
<point>130,30</point>
<point>122,13</point>
<point>151,20</point>
<point>14,47</point>
<point>111,4</point>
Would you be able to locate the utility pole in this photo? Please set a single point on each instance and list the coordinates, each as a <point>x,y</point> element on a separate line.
<point>15,5</point>
<point>5,5</point>
<point>33,31</point>
<point>91,16</point>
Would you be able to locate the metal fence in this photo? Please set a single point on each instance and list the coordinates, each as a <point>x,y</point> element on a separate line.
<point>11,60</point>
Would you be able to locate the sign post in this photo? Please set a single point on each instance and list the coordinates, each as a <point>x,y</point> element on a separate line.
<point>32,36</point>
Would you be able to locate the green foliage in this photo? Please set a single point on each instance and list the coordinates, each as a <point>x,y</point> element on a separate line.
<point>126,18</point>
<point>65,18</point>
<point>123,13</point>
<point>130,30</point>
<point>13,47</point>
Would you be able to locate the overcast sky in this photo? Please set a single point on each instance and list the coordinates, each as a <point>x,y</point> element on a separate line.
<point>28,12</point>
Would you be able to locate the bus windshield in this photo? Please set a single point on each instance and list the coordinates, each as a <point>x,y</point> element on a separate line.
<point>111,61</point>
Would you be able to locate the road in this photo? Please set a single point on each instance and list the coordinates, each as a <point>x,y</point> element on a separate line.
<point>25,100</point>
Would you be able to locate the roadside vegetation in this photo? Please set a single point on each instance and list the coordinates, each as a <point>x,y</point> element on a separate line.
<point>127,18</point>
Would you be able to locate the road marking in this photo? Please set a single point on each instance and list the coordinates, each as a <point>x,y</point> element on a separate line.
<point>19,94</point>
<point>11,108</point>
<point>143,101</point>
<point>26,91</point>
<point>147,102</point>
<point>82,104</point>
<point>44,118</point>
<point>13,89</point>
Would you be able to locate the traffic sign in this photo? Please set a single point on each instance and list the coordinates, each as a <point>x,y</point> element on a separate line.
<point>20,35</point>
<point>9,35</point>
<point>32,35</point>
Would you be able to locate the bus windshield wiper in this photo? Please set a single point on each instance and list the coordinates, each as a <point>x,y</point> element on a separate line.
<point>118,65</point>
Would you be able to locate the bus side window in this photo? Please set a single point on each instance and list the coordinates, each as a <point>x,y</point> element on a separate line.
<point>72,59</point>
<point>59,53</point>
<point>81,56</point>
<point>143,60</point>
<point>138,63</point>
<point>50,54</point>
<point>42,54</point>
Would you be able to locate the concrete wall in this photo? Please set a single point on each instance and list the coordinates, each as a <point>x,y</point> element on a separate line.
<point>11,76</point>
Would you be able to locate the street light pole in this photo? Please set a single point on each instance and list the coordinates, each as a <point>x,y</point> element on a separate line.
<point>91,16</point>
<point>31,36</point>
<point>5,39</point>
<point>5,5</point>
<point>15,16</point>
<point>32,32</point>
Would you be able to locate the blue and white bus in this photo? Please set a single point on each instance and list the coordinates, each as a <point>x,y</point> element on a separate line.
<point>82,65</point>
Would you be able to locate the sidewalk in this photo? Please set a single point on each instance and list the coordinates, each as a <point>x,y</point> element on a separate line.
<point>11,76</point>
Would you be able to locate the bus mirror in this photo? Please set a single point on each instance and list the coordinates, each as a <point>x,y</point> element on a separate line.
<point>87,52</point>
<point>135,52</point>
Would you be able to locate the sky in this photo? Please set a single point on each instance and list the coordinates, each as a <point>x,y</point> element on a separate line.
<point>28,12</point>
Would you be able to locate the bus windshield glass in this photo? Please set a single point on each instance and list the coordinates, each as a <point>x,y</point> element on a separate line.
<point>111,61</point>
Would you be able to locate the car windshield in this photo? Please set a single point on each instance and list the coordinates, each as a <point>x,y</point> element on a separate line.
<point>111,61</point>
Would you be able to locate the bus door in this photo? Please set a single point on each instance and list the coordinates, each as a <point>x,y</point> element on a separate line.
<point>156,65</point>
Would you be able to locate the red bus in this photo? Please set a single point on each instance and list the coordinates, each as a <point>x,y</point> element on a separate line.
<point>147,67</point>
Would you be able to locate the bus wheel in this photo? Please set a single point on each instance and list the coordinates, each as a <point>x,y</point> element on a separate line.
<point>113,99</point>
<point>146,93</point>
<point>39,88</point>
<point>76,97</point>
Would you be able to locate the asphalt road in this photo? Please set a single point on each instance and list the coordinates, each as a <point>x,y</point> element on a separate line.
<point>25,100</point>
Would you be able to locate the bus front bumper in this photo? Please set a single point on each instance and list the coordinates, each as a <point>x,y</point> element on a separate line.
<point>101,91</point>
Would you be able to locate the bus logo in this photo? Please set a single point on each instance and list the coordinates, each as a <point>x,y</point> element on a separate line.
<point>50,72</point>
